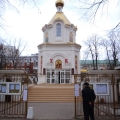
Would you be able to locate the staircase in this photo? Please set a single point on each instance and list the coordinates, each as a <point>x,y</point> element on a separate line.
<point>51,93</point>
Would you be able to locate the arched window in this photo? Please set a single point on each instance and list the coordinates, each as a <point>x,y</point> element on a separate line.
<point>58,30</point>
<point>46,37</point>
<point>71,37</point>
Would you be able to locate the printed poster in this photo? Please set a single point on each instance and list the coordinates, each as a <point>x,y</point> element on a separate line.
<point>3,89</point>
<point>25,95</point>
<point>11,86</point>
<point>17,86</point>
<point>101,89</point>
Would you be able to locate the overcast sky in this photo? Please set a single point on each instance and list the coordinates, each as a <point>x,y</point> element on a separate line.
<point>28,22</point>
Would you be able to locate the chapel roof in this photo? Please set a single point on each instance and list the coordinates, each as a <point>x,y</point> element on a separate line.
<point>59,16</point>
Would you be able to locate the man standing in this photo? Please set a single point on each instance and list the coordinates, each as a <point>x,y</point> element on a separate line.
<point>88,101</point>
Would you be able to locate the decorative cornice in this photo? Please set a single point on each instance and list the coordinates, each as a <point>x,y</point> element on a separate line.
<point>45,27</point>
<point>71,26</point>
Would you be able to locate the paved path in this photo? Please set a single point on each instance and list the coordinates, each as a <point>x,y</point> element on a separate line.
<point>56,111</point>
<point>53,110</point>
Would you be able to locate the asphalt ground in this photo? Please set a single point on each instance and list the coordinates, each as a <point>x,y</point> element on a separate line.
<point>57,111</point>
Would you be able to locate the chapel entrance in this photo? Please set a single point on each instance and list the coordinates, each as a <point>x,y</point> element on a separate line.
<point>58,76</point>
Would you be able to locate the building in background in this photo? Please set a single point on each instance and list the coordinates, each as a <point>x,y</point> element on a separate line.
<point>101,64</point>
<point>11,59</point>
<point>8,56</point>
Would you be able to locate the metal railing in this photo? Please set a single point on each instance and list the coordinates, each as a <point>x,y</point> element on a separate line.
<point>13,105</point>
<point>105,105</point>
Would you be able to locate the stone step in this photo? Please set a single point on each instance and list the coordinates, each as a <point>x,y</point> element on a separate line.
<point>56,97</point>
<point>51,93</point>
<point>51,100</point>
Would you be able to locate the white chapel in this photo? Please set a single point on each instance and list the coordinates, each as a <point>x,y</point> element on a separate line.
<point>59,54</point>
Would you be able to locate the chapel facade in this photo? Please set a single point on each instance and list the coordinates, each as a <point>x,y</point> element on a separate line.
<point>59,54</point>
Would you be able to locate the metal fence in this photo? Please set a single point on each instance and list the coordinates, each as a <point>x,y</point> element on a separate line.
<point>105,105</point>
<point>12,104</point>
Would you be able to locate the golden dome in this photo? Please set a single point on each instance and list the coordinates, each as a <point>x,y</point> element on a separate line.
<point>59,3</point>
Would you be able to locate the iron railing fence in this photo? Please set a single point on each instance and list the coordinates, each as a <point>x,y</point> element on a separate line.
<point>105,105</point>
<point>12,103</point>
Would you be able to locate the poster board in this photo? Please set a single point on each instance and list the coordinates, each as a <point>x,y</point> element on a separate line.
<point>10,88</point>
<point>101,88</point>
<point>14,88</point>
<point>3,88</point>
<point>25,93</point>
<point>77,90</point>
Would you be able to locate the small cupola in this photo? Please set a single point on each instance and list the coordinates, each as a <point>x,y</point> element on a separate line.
<point>59,5</point>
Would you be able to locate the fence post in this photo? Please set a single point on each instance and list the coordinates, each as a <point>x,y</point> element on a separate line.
<point>113,82</point>
<point>74,96</point>
<point>75,107</point>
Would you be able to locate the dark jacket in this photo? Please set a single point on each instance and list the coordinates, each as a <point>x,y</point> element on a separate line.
<point>88,96</point>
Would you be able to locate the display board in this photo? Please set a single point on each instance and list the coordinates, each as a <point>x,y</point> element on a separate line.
<point>77,90</point>
<point>10,88</point>
<point>3,88</point>
<point>102,88</point>
<point>14,88</point>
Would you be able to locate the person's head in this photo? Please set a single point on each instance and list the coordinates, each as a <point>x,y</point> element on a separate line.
<point>86,84</point>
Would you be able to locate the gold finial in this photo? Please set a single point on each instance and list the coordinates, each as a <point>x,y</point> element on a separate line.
<point>59,3</point>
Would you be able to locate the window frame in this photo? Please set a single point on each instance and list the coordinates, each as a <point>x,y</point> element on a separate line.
<point>58,30</point>
<point>70,37</point>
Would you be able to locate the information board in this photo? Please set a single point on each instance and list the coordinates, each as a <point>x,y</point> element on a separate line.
<point>10,88</point>
<point>25,95</point>
<point>102,89</point>
<point>77,90</point>
<point>14,88</point>
<point>3,88</point>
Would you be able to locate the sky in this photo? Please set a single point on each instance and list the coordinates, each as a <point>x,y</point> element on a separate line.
<point>27,21</point>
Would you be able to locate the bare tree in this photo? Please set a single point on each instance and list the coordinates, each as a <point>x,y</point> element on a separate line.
<point>114,38</point>
<point>91,9</point>
<point>8,4</point>
<point>106,46</point>
<point>92,44</point>
<point>16,48</point>
<point>111,47</point>
<point>11,52</point>
<point>85,57</point>
<point>2,57</point>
